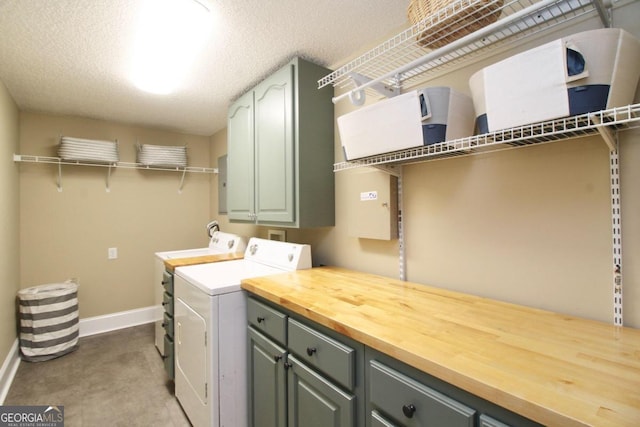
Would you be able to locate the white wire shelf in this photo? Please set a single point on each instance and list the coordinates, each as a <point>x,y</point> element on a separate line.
<point>110,166</point>
<point>604,122</point>
<point>123,165</point>
<point>402,61</point>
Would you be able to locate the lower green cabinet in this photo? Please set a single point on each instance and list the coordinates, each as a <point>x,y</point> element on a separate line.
<point>268,382</point>
<point>314,401</point>
<point>302,375</point>
<point>169,357</point>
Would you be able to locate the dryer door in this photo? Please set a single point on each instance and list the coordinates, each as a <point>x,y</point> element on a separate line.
<point>191,353</point>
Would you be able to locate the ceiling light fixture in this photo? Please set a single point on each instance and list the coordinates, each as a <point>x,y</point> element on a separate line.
<point>169,36</point>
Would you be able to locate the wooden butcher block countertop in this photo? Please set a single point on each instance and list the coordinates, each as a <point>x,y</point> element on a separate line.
<point>555,369</point>
<point>172,264</point>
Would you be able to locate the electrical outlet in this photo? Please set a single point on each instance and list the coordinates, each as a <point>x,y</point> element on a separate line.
<point>113,253</point>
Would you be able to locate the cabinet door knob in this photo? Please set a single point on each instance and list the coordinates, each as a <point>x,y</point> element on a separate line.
<point>311,350</point>
<point>408,410</point>
<point>287,365</point>
<point>260,319</point>
<point>165,282</point>
<point>277,357</point>
<point>164,324</point>
<point>165,303</point>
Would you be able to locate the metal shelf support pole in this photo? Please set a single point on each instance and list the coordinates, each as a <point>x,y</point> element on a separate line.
<point>401,244</point>
<point>616,223</point>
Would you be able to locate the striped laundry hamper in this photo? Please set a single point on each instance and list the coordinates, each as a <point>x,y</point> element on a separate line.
<point>48,320</point>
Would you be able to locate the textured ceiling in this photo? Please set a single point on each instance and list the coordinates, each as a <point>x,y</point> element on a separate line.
<point>73,56</point>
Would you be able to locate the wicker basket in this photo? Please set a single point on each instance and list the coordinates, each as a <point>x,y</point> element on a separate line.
<point>451,19</point>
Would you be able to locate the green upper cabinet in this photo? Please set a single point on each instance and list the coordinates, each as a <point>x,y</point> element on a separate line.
<point>240,203</point>
<point>274,149</point>
<point>280,151</point>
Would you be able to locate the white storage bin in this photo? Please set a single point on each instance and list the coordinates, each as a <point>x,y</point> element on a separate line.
<point>585,72</point>
<point>48,320</point>
<point>420,117</point>
<point>88,150</point>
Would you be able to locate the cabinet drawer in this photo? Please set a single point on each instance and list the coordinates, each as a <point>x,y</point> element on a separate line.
<point>167,282</point>
<point>167,324</point>
<point>413,403</point>
<point>313,400</point>
<point>267,320</point>
<point>167,303</point>
<point>331,357</point>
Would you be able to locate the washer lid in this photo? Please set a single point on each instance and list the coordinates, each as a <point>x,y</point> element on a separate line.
<point>224,277</point>
<point>186,253</point>
<point>220,243</point>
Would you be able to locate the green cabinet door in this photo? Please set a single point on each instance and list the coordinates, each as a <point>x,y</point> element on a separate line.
<point>316,402</point>
<point>240,157</point>
<point>267,382</point>
<point>274,147</point>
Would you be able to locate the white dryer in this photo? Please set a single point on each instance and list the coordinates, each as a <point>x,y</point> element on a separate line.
<point>211,330</point>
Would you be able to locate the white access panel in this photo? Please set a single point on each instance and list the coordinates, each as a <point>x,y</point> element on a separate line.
<point>372,211</point>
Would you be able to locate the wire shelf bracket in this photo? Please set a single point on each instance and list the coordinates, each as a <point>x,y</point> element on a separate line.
<point>357,97</point>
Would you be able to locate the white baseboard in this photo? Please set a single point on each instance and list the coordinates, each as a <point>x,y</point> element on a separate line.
<point>120,320</point>
<point>8,370</point>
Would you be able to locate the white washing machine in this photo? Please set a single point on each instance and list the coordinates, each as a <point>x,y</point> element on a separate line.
<point>211,330</point>
<point>219,243</point>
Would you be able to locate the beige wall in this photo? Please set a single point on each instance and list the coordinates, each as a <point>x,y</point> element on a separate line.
<point>9,221</point>
<point>530,226</point>
<point>66,234</point>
